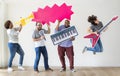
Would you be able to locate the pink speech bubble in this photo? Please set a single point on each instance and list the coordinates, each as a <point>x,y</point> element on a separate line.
<point>47,15</point>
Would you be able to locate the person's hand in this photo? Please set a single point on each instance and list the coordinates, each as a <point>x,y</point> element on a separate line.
<point>59,21</point>
<point>48,25</point>
<point>42,37</point>
<point>20,25</point>
<point>72,38</point>
<point>96,33</point>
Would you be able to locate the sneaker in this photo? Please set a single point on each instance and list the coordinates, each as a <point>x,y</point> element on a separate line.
<point>62,69</point>
<point>10,69</point>
<point>20,68</point>
<point>73,70</point>
<point>94,52</point>
<point>85,48</point>
<point>49,69</point>
<point>37,71</point>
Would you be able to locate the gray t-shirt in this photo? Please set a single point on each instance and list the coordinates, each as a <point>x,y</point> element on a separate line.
<point>37,34</point>
<point>96,27</point>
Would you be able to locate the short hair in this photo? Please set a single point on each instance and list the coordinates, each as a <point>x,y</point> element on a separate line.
<point>7,24</point>
<point>37,23</point>
<point>67,20</point>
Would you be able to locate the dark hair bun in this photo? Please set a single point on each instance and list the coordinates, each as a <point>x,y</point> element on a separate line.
<point>7,24</point>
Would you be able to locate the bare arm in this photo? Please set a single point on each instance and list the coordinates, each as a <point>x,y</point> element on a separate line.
<point>57,27</point>
<point>20,28</point>
<point>90,31</point>
<point>38,39</point>
<point>48,31</point>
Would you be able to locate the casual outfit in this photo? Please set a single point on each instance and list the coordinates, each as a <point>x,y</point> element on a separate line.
<point>40,49</point>
<point>98,47</point>
<point>65,47</point>
<point>14,48</point>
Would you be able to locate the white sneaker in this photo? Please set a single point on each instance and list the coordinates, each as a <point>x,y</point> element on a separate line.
<point>20,68</point>
<point>9,69</point>
<point>62,69</point>
<point>73,70</point>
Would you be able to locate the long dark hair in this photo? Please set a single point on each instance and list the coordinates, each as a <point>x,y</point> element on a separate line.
<point>92,19</point>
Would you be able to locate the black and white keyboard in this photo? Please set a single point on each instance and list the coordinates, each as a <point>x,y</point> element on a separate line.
<point>64,35</point>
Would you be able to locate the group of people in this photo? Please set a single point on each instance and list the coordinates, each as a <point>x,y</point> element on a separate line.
<point>64,48</point>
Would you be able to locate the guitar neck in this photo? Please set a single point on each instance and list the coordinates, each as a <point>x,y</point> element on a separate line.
<point>104,26</point>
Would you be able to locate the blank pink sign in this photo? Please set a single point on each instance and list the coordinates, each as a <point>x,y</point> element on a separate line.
<point>51,14</point>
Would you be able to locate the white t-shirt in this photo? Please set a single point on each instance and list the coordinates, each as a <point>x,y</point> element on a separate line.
<point>13,35</point>
<point>39,43</point>
<point>37,34</point>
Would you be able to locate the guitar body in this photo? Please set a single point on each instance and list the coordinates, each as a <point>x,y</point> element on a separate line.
<point>94,37</point>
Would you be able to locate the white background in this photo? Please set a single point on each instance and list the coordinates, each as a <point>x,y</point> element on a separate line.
<point>104,9</point>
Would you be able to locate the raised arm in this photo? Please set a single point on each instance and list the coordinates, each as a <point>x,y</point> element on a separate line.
<point>48,31</point>
<point>57,27</point>
<point>20,28</point>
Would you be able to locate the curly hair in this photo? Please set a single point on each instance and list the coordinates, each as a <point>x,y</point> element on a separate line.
<point>7,24</point>
<point>92,19</point>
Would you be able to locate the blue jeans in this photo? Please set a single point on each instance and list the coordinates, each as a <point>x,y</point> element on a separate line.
<point>38,51</point>
<point>97,48</point>
<point>15,47</point>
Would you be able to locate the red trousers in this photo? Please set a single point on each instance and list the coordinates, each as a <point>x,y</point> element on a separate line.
<point>70,54</point>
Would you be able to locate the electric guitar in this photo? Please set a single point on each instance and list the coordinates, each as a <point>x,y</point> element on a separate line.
<point>95,37</point>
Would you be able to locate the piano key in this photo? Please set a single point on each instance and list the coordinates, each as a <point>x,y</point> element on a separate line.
<point>68,34</point>
<point>56,39</point>
<point>71,32</point>
<point>53,40</point>
<point>74,31</point>
<point>60,37</point>
<point>63,35</point>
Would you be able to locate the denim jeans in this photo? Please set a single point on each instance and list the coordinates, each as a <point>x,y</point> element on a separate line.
<point>97,48</point>
<point>38,51</point>
<point>15,47</point>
